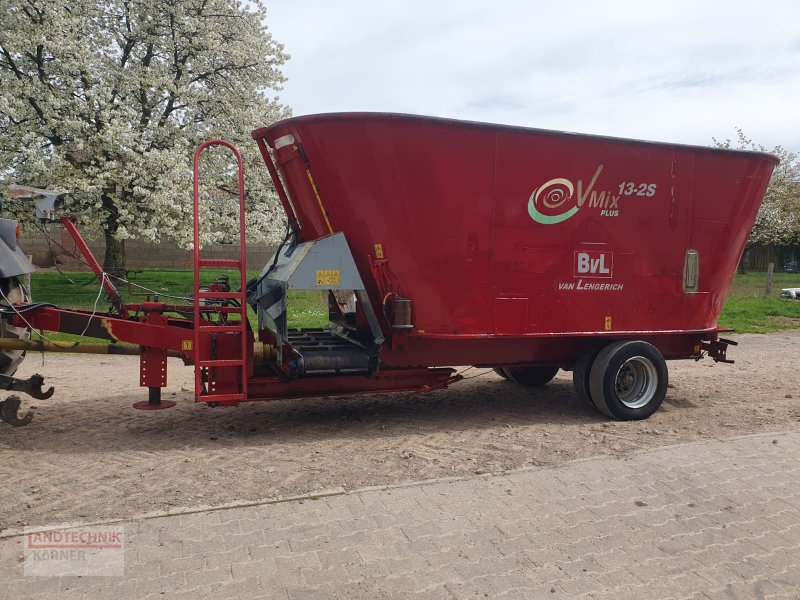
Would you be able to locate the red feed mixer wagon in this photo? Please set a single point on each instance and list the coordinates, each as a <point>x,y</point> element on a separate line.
<point>444,242</point>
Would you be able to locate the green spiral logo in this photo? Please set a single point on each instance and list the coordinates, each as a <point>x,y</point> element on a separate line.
<point>552,195</point>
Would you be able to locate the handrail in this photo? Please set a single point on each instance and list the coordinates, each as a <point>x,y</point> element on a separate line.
<point>199,263</point>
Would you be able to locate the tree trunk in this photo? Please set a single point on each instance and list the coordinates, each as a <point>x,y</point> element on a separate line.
<point>114,261</point>
<point>741,270</point>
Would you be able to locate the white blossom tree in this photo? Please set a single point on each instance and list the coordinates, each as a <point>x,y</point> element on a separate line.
<point>107,99</point>
<point>778,220</point>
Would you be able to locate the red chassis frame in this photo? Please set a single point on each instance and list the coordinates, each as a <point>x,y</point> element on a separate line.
<point>160,335</point>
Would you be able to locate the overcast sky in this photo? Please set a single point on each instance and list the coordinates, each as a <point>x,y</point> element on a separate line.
<point>679,71</point>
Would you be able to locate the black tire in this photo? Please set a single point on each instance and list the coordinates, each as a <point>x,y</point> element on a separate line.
<point>530,376</point>
<point>580,375</point>
<point>14,292</point>
<point>628,380</point>
<point>501,371</point>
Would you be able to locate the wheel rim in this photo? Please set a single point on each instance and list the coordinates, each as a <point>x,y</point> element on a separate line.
<point>636,382</point>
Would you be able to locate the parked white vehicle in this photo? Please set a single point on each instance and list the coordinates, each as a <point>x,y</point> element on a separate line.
<point>793,293</point>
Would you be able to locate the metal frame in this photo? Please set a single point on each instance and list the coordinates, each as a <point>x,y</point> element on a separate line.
<point>222,349</point>
<point>206,368</point>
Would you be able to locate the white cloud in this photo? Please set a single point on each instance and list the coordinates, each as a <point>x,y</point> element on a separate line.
<point>678,71</point>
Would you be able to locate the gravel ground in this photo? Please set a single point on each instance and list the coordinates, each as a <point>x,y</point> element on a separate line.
<point>88,455</point>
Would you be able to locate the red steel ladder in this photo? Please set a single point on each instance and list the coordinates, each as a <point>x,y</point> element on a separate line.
<point>224,367</point>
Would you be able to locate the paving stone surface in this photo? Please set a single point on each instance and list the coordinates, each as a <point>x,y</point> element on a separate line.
<point>712,520</point>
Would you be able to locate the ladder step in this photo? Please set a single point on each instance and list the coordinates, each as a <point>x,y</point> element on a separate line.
<point>220,363</point>
<point>219,262</point>
<point>223,295</point>
<point>221,328</point>
<point>221,397</point>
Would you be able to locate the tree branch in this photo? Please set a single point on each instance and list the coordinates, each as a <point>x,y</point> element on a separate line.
<point>146,108</point>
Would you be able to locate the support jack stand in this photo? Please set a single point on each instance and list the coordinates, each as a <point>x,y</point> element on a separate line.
<point>154,401</point>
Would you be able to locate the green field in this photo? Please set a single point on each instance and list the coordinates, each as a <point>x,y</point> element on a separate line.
<point>306,308</point>
<point>746,310</point>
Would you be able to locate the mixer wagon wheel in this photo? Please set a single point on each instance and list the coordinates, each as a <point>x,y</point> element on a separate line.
<point>14,292</point>
<point>530,376</point>
<point>580,375</point>
<point>628,380</point>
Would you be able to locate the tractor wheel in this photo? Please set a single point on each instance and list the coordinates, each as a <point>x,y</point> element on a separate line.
<point>530,376</point>
<point>13,292</point>
<point>628,380</point>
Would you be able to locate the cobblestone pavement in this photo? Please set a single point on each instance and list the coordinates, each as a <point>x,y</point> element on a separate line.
<point>719,519</point>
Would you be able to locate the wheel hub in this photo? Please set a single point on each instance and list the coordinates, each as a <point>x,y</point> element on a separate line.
<point>636,382</point>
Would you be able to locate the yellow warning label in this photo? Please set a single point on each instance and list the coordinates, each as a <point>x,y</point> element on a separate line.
<point>186,344</point>
<point>328,277</point>
<point>608,323</point>
<point>378,250</point>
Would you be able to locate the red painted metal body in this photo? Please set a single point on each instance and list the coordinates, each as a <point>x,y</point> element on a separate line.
<point>520,245</point>
<point>514,247</point>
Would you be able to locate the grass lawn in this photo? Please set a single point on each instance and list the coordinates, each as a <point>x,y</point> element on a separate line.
<point>306,308</point>
<point>746,310</point>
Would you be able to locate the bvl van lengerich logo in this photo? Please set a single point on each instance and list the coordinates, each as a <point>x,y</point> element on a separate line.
<point>554,201</point>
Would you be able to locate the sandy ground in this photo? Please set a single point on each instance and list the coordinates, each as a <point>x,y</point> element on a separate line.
<point>88,455</point>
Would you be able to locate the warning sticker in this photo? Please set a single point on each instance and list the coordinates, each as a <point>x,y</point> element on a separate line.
<point>328,277</point>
